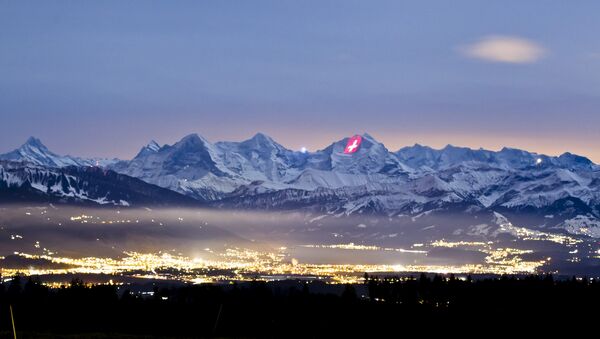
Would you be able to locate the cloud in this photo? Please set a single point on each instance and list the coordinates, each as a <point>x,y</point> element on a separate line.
<point>505,49</point>
<point>593,55</point>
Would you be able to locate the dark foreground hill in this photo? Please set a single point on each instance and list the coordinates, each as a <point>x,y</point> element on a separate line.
<point>381,307</point>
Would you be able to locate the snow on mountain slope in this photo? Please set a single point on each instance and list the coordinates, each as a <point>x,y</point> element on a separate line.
<point>405,179</point>
<point>419,157</point>
<point>21,181</point>
<point>538,189</point>
<point>261,158</point>
<point>35,152</point>
<point>411,179</point>
<point>151,147</point>
<point>423,157</point>
<point>191,166</point>
<point>371,157</point>
<point>209,171</point>
<point>582,225</point>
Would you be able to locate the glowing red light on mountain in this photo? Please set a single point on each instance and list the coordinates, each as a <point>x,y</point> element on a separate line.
<point>353,144</point>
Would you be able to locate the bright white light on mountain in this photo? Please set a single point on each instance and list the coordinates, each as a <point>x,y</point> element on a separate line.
<point>538,161</point>
<point>303,150</point>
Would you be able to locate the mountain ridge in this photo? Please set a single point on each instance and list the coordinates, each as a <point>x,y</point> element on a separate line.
<point>35,152</point>
<point>26,182</point>
<point>155,146</point>
<point>259,173</point>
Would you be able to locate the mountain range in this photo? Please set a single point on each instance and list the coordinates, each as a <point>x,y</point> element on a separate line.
<point>259,173</point>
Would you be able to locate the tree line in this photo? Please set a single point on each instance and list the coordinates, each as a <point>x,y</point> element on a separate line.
<point>299,308</point>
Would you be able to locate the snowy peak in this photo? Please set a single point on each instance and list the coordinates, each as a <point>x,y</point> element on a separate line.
<point>574,161</point>
<point>190,141</point>
<point>418,156</point>
<point>517,158</point>
<point>35,143</point>
<point>261,139</point>
<point>367,142</point>
<point>191,151</point>
<point>192,138</point>
<point>370,158</point>
<point>35,152</point>
<point>261,143</point>
<point>185,167</point>
<point>34,146</point>
<point>452,155</point>
<point>151,147</point>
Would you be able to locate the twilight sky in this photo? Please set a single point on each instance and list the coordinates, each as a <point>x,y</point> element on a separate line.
<point>102,78</point>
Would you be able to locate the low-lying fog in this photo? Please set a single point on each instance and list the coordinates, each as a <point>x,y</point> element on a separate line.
<point>81,232</point>
<point>77,232</point>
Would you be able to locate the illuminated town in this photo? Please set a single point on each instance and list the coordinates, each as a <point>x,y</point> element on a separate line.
<point>283,169</point>
<point>244,264</point>
<point>238,263</point>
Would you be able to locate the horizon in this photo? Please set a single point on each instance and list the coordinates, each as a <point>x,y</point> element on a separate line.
<point>306,150</point>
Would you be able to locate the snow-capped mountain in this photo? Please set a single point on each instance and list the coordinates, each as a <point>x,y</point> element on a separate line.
<point>259,158</point>
<point>198,168</point>
<point>260,173</point>
<point>35,152</point>
<point>21,181</point>
<point>190,166</point>
<point>151,147</point>
<point>423,157</point>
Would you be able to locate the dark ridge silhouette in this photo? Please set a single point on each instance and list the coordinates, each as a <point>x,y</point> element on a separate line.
<point>300,309</point>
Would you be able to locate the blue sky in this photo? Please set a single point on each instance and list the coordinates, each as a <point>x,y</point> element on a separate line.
<point>104,77</point>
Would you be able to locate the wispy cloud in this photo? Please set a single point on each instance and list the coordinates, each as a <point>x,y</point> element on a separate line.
<point>593,55</point>
<point>507,49</point>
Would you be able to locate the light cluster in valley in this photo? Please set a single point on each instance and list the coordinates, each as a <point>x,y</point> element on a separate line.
<point>196,245</point>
